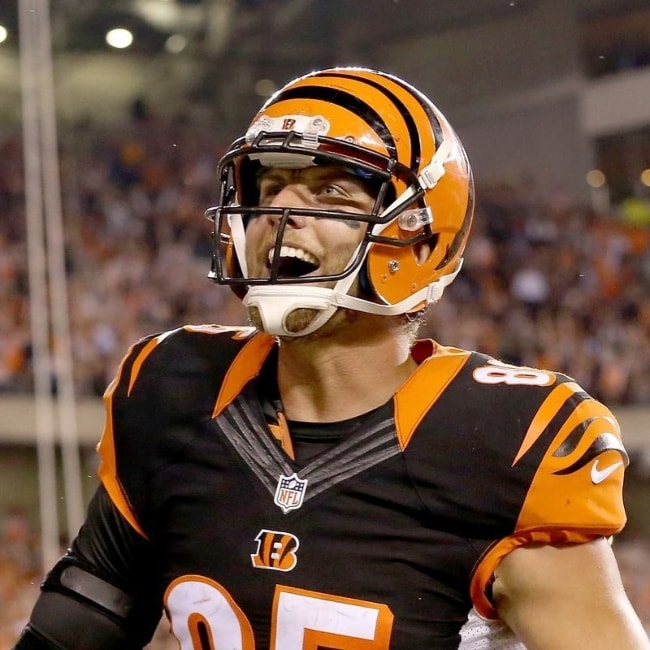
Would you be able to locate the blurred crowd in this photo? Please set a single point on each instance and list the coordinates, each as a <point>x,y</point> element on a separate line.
<point>137,247</point>
<point>547,280</point>
<point>19,573</point>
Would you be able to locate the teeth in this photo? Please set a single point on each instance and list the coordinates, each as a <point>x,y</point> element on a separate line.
<point>288,251</point>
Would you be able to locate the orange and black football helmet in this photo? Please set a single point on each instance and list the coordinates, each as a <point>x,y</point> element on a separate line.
<point>383,130</point>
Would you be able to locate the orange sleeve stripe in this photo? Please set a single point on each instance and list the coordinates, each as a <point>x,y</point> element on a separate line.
<point>563,492</point>
<point>246,365</point>
<point>416,397</point>
<point>592,414</point>
<point>545,414</point>
<point>108,466</point>
<point>483,574</point>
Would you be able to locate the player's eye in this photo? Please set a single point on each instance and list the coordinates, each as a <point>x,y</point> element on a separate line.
<point>334,192</point>
<point>268,191</point>
<point>333,189</point>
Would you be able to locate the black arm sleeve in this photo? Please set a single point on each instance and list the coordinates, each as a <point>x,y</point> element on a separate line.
<point>102,594</point>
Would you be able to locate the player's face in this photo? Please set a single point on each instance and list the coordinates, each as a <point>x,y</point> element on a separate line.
<point>311,246</point>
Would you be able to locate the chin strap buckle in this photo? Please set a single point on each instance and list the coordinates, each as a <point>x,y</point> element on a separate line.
<point>435,170</point>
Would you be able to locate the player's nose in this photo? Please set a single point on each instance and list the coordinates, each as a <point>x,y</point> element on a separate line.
<point>291,197</point>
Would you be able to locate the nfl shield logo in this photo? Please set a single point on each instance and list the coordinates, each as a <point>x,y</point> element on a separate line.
<point>290,492</point>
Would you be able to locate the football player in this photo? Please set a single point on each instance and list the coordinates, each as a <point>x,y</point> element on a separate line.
<point>323,479</point>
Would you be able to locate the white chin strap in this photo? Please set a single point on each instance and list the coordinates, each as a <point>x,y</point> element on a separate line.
<point>275,303</point>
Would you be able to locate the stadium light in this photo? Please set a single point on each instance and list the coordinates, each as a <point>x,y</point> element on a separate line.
<point>119,38</point>
<point>595,178</point>
<point>645,177</point>
<point>176,43</point>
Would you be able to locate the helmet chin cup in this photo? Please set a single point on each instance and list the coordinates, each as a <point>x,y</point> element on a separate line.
<point>275,303</point>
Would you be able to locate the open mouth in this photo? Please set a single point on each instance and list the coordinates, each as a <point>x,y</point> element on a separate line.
<point>293,262</point>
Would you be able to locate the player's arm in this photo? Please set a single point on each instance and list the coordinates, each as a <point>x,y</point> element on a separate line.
<point>99,595</point>
<point>566,597</point>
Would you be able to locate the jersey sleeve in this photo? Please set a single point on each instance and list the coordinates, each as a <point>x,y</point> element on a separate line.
<point>125,426</point>
<point>575,493</point>
<point>102,593</point>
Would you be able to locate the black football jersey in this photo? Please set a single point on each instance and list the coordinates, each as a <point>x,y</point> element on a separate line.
<point>385,540</point>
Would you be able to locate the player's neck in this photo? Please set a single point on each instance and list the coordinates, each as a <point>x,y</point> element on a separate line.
<point>346,372</point>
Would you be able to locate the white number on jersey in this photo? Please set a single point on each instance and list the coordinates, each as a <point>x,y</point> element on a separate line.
<point>203,615</point>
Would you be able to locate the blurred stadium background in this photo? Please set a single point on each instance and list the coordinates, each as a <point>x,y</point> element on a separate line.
<point>108,144</point>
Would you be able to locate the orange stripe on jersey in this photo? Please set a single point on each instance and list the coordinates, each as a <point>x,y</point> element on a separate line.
<point>137,364</point>
<point>108,466</point>
<point>281,433</point>
<point>414,399</point>
<point>246,365</point>
<point>144,353</point>
<point>546,412</point>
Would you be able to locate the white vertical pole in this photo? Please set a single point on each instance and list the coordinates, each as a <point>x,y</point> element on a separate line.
<point>38,303</point>
<point>48,286</point>
<point>58,281</point>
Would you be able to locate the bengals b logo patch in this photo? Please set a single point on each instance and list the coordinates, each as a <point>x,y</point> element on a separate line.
<point>275,550</point>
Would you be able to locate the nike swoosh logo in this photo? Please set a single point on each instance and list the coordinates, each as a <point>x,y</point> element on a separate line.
<point>599,475</point>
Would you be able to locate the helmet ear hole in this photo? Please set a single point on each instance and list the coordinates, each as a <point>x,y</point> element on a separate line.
<point>365,286</point>
<point>423,250</point>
